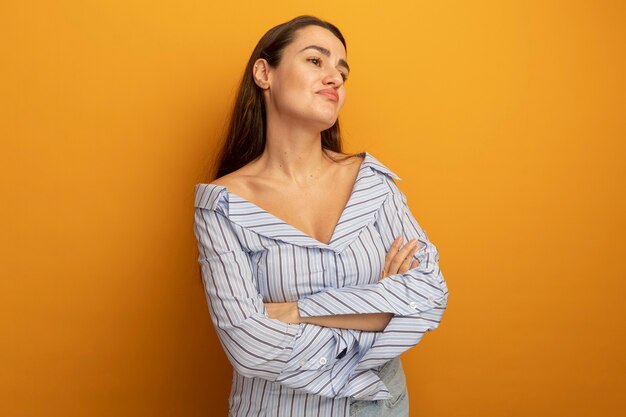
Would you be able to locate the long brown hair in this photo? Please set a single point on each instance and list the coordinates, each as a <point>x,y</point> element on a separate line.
<point>245,138</point>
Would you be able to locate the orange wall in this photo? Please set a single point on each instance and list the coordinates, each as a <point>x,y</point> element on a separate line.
<point>504,119</point>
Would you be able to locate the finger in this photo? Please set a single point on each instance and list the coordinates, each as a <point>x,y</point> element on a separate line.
<point>406,265</point>
<point>385,267</point>
<point>392,253</point>
<point>395,246</point>
<point>401,256</point>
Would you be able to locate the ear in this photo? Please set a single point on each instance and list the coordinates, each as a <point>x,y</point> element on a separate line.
<point>260,73</point>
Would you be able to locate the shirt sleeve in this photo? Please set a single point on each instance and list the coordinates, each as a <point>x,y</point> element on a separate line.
<point>417,298</point>
<point>300,356</point>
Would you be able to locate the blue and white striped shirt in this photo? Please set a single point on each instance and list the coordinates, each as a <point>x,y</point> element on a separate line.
<point>249,256</point>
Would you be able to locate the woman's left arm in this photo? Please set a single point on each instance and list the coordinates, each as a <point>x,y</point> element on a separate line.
<point>418,291</point>
<point>416,299</point>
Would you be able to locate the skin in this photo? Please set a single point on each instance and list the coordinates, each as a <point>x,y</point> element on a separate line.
<point>291,177</point>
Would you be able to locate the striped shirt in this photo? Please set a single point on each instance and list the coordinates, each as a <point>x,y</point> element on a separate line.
<point>249,256</point>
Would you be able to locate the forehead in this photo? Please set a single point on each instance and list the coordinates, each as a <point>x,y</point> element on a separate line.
<point>316,35</point>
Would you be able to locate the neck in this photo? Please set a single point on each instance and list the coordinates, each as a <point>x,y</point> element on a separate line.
<point>294,156</point>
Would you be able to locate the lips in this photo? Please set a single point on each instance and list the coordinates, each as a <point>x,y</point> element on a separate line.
<point>330,93</point>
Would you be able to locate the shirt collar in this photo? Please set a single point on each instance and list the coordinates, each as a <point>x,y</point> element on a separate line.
<point>374,163</point>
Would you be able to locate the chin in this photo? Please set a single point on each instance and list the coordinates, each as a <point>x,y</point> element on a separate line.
<point>328,120</point>
<point>327,124</point>
<point>322,119</point>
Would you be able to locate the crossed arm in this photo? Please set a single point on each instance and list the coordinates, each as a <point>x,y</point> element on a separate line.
<point>325,352</point>
<point>397,261</point>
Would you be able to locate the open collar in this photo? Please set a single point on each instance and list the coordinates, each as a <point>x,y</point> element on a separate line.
<point>368,194</point>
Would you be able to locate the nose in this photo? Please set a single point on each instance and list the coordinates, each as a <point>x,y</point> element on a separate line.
<point>334,77</point>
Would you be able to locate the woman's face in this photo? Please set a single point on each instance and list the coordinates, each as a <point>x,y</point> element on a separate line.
<point>307,87</point>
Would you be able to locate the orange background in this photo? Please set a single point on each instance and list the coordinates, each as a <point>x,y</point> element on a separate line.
<point>505,121</point>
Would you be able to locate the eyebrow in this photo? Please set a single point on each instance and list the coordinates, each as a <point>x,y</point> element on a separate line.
<point>326,52</point>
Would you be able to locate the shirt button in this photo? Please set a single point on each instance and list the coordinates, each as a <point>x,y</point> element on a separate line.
<point>302,362</point>
<point>413,305</point>
<point>431,301</point>
<point>323,361</point>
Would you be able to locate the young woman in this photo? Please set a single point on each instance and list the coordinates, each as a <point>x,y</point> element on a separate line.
<point>312,296</point>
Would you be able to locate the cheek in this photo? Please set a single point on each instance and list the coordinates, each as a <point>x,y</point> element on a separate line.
<point>295,88</point>
<point>287,94</point>
<point>297,79</point>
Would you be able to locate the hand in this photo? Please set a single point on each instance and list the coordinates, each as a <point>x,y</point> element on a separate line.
<point>285,312</point>
<point>398,261</point>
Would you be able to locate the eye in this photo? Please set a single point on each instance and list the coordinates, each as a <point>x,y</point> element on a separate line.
<point>315,59</point>
<point>319,63</point>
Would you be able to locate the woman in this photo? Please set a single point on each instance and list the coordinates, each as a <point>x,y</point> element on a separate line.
<point>312,297</point>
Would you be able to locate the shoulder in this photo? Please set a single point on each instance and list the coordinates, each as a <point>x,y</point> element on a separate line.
<point>214,195</point>
<point>208,196</point>
<point>364,165</point>
<point>234,182</point>
<point>343,158</point>
<point>343,167</point>
<point>386,176</point>
<point>376,165</point>
<point>361,160</point>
